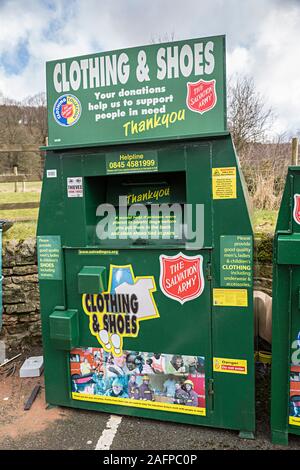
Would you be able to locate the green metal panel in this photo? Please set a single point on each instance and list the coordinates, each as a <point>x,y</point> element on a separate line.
<point>155,92</point>
<point>214,325</point>
<point>286,324</point>
<point>288,249</point>
<point>64,328</point>
<point>92,279</point>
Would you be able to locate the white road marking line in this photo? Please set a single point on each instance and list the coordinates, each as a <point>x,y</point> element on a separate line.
<point>108,434</point>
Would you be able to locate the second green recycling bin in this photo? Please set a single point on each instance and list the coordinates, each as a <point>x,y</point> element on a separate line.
<point>285,416</point>
<point>138,318</point>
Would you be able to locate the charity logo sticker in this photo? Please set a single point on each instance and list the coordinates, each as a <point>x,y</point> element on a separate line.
<point>67,110</point>
<point>117,312</point>
<point>181,276</point>
<point>201,96</point>
<point>296,211</point>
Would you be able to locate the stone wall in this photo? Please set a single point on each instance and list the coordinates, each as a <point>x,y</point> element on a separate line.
<point>21,319</point>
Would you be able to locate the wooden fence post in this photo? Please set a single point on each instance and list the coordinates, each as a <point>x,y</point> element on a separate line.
<point>16,173</point>
<point>295,151</point>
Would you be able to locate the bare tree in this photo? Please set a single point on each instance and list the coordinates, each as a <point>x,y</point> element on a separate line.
<point>35,110</point>
<point>11,119</point>
<point>23,123</point>
<point>248,116</point>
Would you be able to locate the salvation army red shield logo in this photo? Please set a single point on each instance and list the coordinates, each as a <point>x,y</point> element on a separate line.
<point>296,211</point>
<point>67,110</point>
<point>201,96</point>
<point>181,276</point>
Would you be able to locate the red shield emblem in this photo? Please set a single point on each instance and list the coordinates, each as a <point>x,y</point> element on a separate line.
<point>181,276</point>
<point>67,111</point>
<point>296,211</point>
<point>201,96</point>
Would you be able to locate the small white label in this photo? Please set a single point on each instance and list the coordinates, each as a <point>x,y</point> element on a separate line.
<point>75,188</point>
<point>51,173</point>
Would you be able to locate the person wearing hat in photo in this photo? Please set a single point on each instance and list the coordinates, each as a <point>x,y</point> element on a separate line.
<point>181,395</point>
<point>196,375</point>
<point>133,388</point>
<point>117,389</point>
<point>192,397</point>
<point>146,393</point>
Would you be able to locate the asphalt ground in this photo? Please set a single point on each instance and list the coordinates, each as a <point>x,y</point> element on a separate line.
<point>60,428</point>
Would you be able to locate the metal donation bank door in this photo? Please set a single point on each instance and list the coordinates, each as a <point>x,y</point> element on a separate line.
<point>144,239</point>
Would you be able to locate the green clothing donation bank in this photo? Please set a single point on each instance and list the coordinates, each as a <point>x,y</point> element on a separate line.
<point>145,243</point>
<point>285,409</point>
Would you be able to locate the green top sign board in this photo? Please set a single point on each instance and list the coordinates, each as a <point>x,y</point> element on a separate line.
<point>162,91</point>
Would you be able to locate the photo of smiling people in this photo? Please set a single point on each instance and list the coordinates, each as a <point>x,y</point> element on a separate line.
<point>165,381</point>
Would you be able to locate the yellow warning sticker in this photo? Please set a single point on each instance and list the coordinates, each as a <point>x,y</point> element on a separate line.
<point>294,421</point>
<point>230,366</point>
<point>224,183</point>
<point>230,297</point>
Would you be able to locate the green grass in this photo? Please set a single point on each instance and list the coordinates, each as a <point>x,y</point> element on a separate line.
<point>264,221</point>
<point>20,214</point>
<point>6,197</point>
<point>21,231</point>
<point>30,187</point>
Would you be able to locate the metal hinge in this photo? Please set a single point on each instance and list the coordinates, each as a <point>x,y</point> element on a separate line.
<point>211,395</point>
<point>211,386</point>
<point>208,272</point>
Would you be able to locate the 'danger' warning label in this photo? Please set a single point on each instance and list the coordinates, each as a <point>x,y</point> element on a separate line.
<point>224,183</point>
<point>231,366</point>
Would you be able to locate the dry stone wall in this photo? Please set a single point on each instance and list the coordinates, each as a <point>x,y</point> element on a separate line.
<point>21,303</point>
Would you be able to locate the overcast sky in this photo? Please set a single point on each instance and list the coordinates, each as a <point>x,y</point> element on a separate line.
<point>263,39</point>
